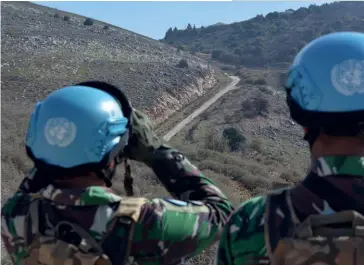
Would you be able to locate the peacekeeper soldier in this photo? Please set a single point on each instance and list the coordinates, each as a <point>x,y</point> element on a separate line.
<point>65,212</point>
<point>320,220</point>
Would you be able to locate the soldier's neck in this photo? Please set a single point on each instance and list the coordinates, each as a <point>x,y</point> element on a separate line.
<point>337,146</point>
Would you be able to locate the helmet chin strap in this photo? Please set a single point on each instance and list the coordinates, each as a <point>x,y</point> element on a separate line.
<point>128,179</point>
<point>108,174</point>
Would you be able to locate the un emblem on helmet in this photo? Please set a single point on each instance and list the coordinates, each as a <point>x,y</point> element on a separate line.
<point>348,77</point>
<point>60,132</point>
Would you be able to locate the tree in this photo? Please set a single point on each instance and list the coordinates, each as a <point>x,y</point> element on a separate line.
<point>189,27</point>
<point>88,22</point>
<point>260,81</point>
<point>301,12</point>
<point>314,9</point>
<point>337,25</point>
<point>259,18</point>
<point>169,33</point>
<point>228,58</point>
<point>235,139</point>
<point>180,47</point>
<point>183,63</point>
<point>216,54</point>
<point>272,15</point>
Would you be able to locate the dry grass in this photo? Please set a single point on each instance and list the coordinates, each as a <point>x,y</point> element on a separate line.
<point>14,162</point>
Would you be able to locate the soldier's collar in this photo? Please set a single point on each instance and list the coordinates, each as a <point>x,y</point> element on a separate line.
<point>339,165</point>
<point>94,195</point>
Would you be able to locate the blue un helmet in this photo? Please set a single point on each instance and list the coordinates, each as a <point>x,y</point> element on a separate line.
<point>79,128</point>
<point>325,86</point>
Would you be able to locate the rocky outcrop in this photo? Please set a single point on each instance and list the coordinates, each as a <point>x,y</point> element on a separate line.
<point>168,104</point>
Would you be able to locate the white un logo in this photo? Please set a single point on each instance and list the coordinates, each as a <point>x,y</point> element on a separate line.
<point>348,77</point>
<point>60,132</point>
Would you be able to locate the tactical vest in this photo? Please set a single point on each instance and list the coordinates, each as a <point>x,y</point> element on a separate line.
<point>300,236</point>
<point>65,242</point>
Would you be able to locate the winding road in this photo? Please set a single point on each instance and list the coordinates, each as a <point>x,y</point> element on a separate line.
<point>176,129</point>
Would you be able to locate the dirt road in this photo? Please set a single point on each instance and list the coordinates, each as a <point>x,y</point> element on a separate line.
<point>201,109</point>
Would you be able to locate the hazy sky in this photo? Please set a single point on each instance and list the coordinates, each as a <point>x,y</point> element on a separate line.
<point>152,19</point>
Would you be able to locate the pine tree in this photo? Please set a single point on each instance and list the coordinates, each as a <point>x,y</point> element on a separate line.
<point>169,33</point>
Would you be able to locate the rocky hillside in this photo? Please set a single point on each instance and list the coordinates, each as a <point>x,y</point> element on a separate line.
<point>43,49</point>
<point>271,40</point>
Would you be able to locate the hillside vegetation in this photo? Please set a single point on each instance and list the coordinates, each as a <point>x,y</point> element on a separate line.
<point>271,40</point>
<point>248,137</point>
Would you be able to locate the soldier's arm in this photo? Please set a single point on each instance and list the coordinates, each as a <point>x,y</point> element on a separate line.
<point>242,241</point>
<point>168,230</point>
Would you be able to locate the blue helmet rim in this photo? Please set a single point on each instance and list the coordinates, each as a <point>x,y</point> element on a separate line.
<point>115,153</point>
<point>57,171</point>
<point>333,123</point>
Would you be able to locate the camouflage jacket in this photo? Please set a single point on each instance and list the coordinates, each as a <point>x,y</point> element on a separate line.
<point>335,184</point>
<point>167,231</point>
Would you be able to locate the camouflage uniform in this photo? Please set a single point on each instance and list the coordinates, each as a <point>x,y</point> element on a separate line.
<point>167,231</point>
<point>335,184</point>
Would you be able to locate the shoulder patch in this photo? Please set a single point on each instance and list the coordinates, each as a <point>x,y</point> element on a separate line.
<point>176,202</point>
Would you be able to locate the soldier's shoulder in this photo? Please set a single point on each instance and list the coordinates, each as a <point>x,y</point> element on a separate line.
<point>244,235</point>
<point>255,204</point>
<point>247,220</point>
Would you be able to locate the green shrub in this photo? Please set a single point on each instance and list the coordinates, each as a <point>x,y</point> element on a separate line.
<point>88,22</point>
<point>265,90</point>
<point>216,54</point>
<point>180,47</point>
<point>66,18</point>
<point>234,137</point>
<point>183,63</point>
<point>254,107</point>
<point>261,105</point>
<point>260,81</point>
